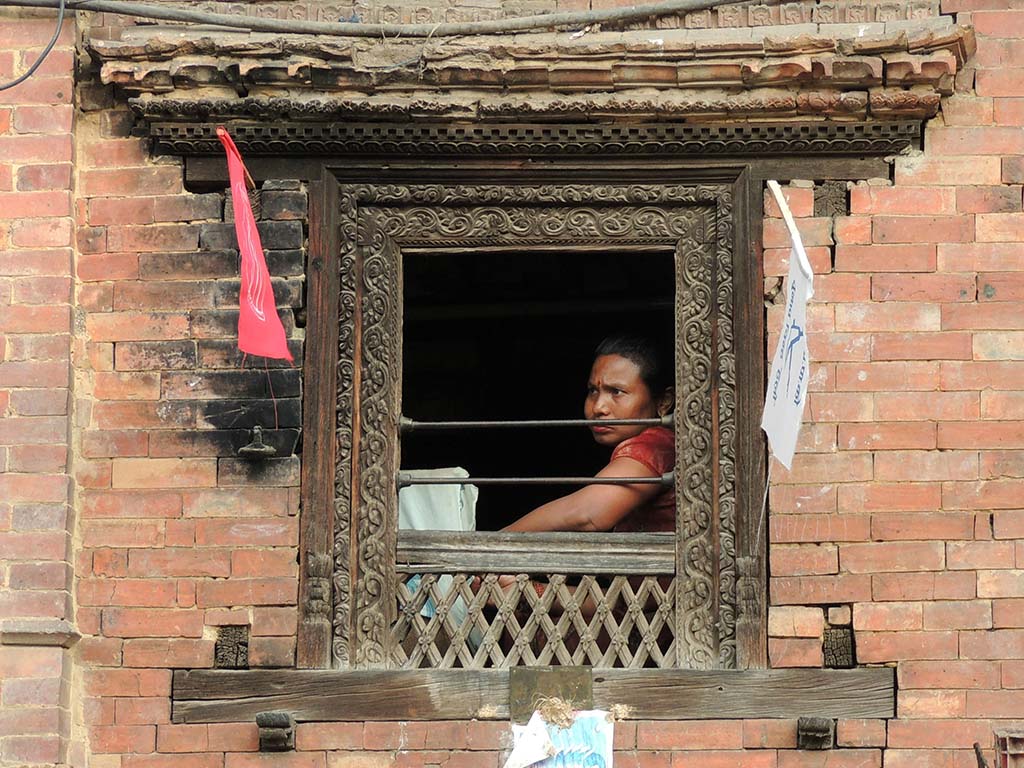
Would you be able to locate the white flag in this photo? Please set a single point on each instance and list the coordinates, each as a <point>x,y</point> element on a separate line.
<point>790,372</point>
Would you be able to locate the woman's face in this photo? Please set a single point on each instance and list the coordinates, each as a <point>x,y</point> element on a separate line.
<point>615,390</point>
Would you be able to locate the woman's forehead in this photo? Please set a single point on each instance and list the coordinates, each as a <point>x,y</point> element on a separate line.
<point>614,367</point>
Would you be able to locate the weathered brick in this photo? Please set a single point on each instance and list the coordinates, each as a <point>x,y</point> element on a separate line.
<point>923,586</point>
<point>915,526</point>
<point>877,557</point>
<point>879,647</point>
<point>948,674</point>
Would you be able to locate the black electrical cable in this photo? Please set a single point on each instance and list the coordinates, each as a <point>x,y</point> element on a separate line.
<point>42,56</point>
<point>385,31</point>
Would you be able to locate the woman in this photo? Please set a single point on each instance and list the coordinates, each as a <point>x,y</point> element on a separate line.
<point>628,380</point>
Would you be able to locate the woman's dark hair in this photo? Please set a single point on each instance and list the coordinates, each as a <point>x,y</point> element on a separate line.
<point>653,359</point>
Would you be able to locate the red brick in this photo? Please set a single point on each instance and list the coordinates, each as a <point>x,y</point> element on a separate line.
<point>809,499</point>
<point>266,563</point>
<point>886,436</point>
<point>19,750</point>
<point>182,738</point>
<point>794,652</point>
<point>877,557</point>
<point>126,592</point>
<point>948,674</point>
<point>44,233</point>
<point>270,621</point>
<point>152,237</point>
<point>161,180</point>
<point>136,326</point>
<point>813,232</point>
<point>114,152</point>
<point>143,415</point>
<point>763,758</point>
<point>234,737</point>
<point>799,199</point>
<point>981,435</point>
<point>272,651</point>
<point>922,346</point>
<point>1001,286</point>
<point>179,562</point>
<point>215,760</point>
<point>108,266</point>
<point>936,170</point>
<point>964,109</point>
<point>164,473</point>
<point>1000,227</point>
<point>133,504</point>
<point>237,502</point>
<point>839,406</point>
<point>689,735</point>
<point>1002,345</point>
<point>942,526</point>
<point>914,466</point>
<point>819,528</point>
<point>889,497</point>
<point>815,590</point>
<point>996,464</point>
<point>922,287</point>
<point>979,375</point>
<point>171,653</point>
<point>142,711</point>
<point>128,682</point>
<point>1001,583</point>
<point>879,647</point>
<point>916,257</point>
<point>922,586</point>
<point>240,532</point>
<point>768,734</point>
<point>982,316</point>
<point>834,758</point>
<point>995,644</point>
<point>928,704</point>
<point>139,739</point>
<point>842,287</point>
<point>44,177</point>
<point>328,736</point>
<point>776,262</point>
<point>115,533</point>
<point>1012,674</point>
<point>866,198</point>
<point>1008,111</point>
<point>995,704</point>
<point>986,494</point>
<point>999,82</point>
<point>804,560</point>
<point>33,319</point>
<point>887,376</point>
<point>860,733</point>
<point>1001,199</point>
<point>887,317</point>
<point>850,230</point>
<point>922,229</point>
<point>139,622</point>
<point>958,614</point>
<point>246,592</point>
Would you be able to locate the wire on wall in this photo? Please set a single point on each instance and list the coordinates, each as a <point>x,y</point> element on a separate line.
<point>577,19</point>
<point>42,56</point>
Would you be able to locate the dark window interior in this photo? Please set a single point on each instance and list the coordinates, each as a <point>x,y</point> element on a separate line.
<point>508,336</point>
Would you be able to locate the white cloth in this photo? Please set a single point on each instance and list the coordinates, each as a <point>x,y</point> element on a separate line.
<point>440,508</point>
<point>787,383</point>
<point>437,507</point>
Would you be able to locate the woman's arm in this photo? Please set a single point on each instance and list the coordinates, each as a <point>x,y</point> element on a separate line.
<point>593,507</point>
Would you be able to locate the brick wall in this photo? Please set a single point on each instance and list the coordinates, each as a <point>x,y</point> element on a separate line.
<point>901,518</point>
<point>36,285</point>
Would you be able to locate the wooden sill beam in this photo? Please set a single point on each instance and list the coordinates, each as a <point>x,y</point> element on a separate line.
<point>214,696</point>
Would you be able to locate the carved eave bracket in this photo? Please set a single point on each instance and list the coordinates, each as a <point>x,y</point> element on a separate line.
<point>898,69</point>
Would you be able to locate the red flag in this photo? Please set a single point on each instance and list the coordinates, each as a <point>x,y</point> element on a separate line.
<point>259,328</point>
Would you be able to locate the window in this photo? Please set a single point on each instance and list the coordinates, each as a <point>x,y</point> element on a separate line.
<point>661,600</point>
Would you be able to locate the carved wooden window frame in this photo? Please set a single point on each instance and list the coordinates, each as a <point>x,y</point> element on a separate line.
<point>375,222</point>
<point>741,155</point>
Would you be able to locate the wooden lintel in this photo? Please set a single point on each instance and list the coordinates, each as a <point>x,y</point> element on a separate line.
<point>212,696</point>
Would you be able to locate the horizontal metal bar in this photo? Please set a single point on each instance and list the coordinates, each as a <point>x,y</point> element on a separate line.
<point>637,554</point>
<point>407,425</point>
<point>405,480</point>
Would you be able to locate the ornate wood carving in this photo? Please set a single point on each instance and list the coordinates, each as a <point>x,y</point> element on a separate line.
<point>692,219</point>
<point>345,373</point>
<point>279,137</point>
